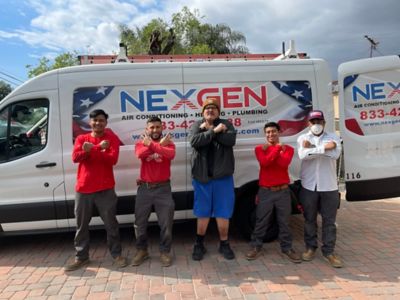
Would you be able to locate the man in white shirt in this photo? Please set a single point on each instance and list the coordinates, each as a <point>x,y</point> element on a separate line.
<point>318,151</point>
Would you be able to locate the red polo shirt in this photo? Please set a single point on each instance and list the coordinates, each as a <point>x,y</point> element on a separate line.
<point>274,163</point>
<point>95,170</point>
<point>156,161</point>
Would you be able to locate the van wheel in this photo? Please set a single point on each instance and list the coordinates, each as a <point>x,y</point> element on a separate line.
<point>245,216</point>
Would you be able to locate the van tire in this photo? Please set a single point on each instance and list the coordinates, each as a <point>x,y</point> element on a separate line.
<point>245,216</point>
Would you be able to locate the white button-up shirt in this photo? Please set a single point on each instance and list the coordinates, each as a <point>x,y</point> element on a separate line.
<point>318,166</point>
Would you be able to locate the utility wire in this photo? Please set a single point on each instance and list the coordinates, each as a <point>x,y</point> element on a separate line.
<point>13,77</point>
<point>379,52</point>
<point>9,81</point>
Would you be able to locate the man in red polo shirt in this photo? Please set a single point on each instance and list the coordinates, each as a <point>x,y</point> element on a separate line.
<point>274,159</point>
<point>96,152</point>
<point>154,190</point>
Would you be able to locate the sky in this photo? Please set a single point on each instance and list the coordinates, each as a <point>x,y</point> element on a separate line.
<point>332,30</point>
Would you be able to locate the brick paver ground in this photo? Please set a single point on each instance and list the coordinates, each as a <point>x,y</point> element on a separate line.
<point>31,267</point>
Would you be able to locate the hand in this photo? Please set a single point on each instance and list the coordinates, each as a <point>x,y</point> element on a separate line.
<point>146,140</point>
<point>206,125</point>
<point>87,147</point>
<point>105,144</point>
<point>220,128</point>
<point>166,139</point>
<point>307,144</point>
<point>330,145</point>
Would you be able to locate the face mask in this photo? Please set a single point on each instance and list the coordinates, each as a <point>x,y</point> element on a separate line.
<point>317,129</point>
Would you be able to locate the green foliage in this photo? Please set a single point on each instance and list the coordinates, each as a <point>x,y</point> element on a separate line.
<point>192,36</point>
<point>131,37</point>
<point>187,26</point>
<point>201,49</point>
<point>5,89</point>
<point>63,60</point>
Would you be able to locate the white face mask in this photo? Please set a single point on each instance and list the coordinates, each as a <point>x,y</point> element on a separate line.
<point>317,129</point>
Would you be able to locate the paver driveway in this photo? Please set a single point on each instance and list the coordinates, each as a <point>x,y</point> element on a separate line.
<point>31,267</point>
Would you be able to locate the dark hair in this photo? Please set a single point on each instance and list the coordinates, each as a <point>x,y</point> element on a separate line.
<point>272,124</point>
<point>98,112</point>
<point>19,107</point>
<point>153,119</point>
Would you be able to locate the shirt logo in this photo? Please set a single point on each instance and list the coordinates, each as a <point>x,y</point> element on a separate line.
<point>155,156</point>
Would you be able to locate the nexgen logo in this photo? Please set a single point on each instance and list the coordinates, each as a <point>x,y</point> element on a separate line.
<point>164,100</point>
<point>376,91</point>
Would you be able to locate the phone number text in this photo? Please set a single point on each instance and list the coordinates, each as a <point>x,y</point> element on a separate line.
<point>379,113</point>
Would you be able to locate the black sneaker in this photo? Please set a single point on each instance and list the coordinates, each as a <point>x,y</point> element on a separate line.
<point>198,251</point>
<point>226,251</point>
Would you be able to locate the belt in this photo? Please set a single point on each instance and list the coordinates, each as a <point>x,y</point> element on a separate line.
<point>276,187</point>
<point>152,185</point>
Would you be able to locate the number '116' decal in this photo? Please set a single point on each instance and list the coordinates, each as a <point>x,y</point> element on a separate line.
<point>353,175</point>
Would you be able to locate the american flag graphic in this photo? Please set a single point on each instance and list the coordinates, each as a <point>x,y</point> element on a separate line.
<point>84,100</point>
<point>295,120</point>
<point>352,123</point>
<point>349,80</point>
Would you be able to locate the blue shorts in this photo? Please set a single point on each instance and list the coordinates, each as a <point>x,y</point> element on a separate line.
<point>215,198</point>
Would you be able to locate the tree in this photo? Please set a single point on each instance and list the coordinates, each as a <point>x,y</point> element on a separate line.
<point>222,39</point>
<point>191,36</point>
<point>5,89</point>
<point>63,60</point>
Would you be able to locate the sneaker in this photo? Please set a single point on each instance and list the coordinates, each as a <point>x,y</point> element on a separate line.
<point>226,251</point>
<point>165,259</point>
<point>293,256</point>
<point>77,264</point>
<point>253,253</point>
<point>334,260</point>
<point>120,261</point>
<point>308,255</point>
<point>140,256</point>
<point>198,251</point>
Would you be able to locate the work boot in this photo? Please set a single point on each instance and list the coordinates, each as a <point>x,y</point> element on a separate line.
<point>253,253</point>
<point>165,259</point>
<point>308,255</point>
<point>140,256</point>
<point>77,264</point>
<point>292,256</point>
<point>226,250</point>
<point>120,261</point>
<point>198,251</point>
<point>334,260</point>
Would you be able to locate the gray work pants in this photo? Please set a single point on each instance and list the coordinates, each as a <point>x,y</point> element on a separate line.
<point>106,204</point>
<point>268,200</point>
<point>326,203</point>
<point>161,199</point>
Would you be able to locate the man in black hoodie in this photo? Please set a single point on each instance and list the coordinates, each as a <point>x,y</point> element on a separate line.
<point>213,164</point>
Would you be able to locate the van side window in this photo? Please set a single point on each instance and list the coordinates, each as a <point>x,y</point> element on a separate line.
<point>23,129</point>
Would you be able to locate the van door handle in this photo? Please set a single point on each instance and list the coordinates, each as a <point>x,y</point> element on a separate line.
<point>46,164</point>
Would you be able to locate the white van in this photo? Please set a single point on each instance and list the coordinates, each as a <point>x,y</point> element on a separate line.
<point>369,93</point>
<point>40,120</point>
